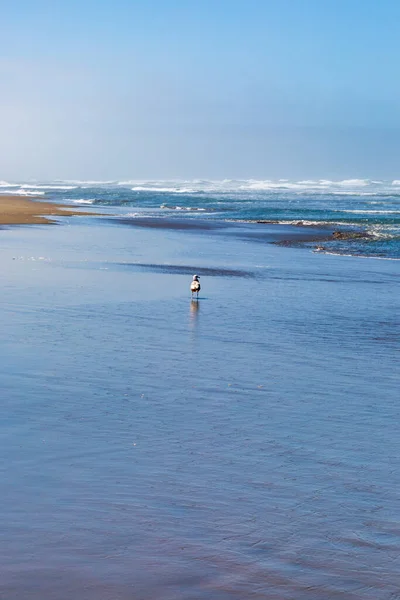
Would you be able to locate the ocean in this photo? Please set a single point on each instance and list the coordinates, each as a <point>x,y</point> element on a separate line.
<point>367,210</point>
<point>245,445</point>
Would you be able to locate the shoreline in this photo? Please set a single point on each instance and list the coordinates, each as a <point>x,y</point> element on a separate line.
<point>15,210</point>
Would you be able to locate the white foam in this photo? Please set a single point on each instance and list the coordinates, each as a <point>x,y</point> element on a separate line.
<point>89,182</point>
<point>371,212</point>
<point>353,182</point>
<point>223,186</point>
<point>169,190</point>
<point>22,192</point>
<point>351,193</point>
<point>83,201</point>
<point>30,186</point>
<point>341,254</point>
<point>187,208</point>
<point>226,186</point>
<point>5,184</point>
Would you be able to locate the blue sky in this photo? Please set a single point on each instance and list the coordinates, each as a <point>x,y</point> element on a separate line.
<point>210,89</point>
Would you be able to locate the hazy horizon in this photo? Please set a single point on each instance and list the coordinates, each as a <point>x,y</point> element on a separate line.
<point>177,90</point>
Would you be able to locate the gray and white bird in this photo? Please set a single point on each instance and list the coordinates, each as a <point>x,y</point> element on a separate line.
<point>195,285</point>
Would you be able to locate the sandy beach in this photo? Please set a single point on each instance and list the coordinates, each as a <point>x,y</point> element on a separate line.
<point>242,446</point>
<point>15,210</point>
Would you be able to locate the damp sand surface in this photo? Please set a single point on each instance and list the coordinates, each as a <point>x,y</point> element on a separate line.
<point>263,231</point>
<point>241,446</point>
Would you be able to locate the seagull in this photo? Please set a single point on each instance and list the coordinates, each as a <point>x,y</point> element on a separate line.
<point>195,285</point>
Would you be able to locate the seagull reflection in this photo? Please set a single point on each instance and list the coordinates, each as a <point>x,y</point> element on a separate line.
<point>194,313</point>
<point>194,309</point>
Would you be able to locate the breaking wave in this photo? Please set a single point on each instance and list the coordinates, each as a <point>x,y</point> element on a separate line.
<point>187,208</point>
<point>304,186</point>
<point>168,190</point>
<point>5,184</point>
<point>21,192</point>
<point>224,186</point>
<point>29,186</point>
<point>83,201</point>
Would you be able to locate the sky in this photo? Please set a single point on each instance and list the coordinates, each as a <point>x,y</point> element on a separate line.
<point>214,89</point>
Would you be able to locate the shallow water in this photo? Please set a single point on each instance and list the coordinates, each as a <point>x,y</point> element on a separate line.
<point>242,446</point>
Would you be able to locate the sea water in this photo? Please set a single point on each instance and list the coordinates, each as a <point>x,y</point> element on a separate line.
<point>371,208</point>
<point>244,445</point>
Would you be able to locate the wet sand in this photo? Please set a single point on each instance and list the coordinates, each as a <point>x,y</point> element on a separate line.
<point>262,231</point>
<point>242,446</point>
<point>15,210</point>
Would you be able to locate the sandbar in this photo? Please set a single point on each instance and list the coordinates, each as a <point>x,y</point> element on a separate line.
<point>15,210</point>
